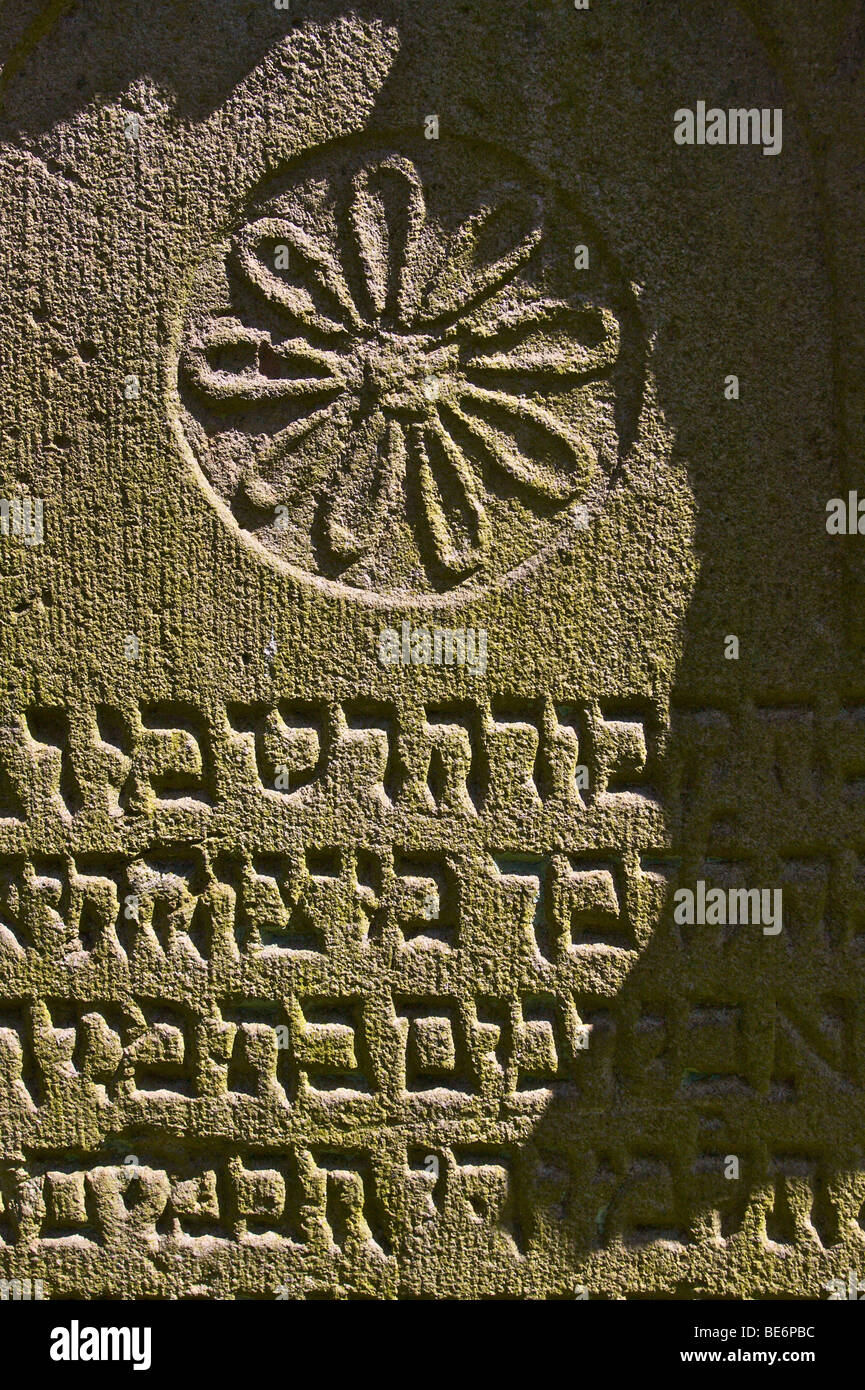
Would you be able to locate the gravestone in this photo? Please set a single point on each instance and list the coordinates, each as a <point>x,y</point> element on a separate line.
<point>432,747</point>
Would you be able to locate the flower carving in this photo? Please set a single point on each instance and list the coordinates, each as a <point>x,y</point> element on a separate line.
<point>384,377</point>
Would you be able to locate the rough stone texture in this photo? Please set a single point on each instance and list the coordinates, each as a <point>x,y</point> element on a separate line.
<point>321,977</point>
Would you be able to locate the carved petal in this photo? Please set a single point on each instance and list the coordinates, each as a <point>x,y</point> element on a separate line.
<point>238,363</point>
<point>453,511</point>
<point>311,286</point>
<point>549,337</point>
<point>527,442</point>
<point>387,214</point>
<point>369,477</point>
<point>266,483</point>
<point>490,247</point>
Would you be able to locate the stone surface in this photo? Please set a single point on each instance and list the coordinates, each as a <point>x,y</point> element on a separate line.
<point>378,517</point>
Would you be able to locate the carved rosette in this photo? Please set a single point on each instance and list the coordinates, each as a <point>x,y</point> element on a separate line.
<point>396,395</point>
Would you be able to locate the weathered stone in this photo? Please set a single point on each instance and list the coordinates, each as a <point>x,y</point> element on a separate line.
<point>433,732</point>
